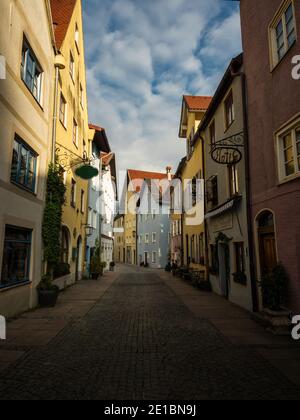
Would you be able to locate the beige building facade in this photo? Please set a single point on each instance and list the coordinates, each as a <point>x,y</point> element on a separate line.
<point>26,109</point>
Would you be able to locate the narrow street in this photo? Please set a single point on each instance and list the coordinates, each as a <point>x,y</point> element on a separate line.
<point>140,334</point>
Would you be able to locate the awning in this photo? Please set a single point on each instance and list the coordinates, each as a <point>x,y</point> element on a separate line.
<point>224,208</point>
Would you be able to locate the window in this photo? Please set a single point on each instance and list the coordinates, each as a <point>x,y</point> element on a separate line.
<point>154,257</point>
<point>75,132</point>
<point>229,110</point>
<point>73,194</point>
<point>95,217</point>
<point>16,256</point>
<point>153,238</point>
<point>194,191</point>
<point>147,238</point>
<point>24,163</point>
<point>72,67</point>
<point>81,96</point>
<point>63,110</point>
<point>239,257</point>
<point>31,71</point>
<point>289,153</point>
<point>213,191</point>
<point>233,180</point>
<point>77,37</point>
<point>65,244</point>
<point>212,134</point>
<point>82,202</point>
<point>283,32</point>
<point>90,217</point>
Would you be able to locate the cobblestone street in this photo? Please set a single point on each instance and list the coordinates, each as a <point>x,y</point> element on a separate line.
<point>144,335</point>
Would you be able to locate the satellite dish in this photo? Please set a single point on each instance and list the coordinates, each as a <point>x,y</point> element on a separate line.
<point>87,172</point>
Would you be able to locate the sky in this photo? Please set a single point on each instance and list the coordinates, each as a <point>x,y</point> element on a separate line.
<point>142,56</point>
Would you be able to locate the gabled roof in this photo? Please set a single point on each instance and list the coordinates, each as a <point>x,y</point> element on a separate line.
<point>197,103</point>
<point>62,12</point>
<point>136,174</point>
<point>107,158</point>
<point>192,104</point>
<point>140,179</point>
<point>100,138</point>
<point>233,68</point>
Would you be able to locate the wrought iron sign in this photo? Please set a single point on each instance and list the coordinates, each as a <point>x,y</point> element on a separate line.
<point>82,166</point>
<point>228,150</point>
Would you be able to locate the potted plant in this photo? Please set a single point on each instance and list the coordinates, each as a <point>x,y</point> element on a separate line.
<point>112,266</point>
<point>274,287</point>
<point>96,267</point>
<point>47,292</point>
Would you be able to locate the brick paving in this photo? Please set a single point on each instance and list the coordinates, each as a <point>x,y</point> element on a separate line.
<point>143,335</point>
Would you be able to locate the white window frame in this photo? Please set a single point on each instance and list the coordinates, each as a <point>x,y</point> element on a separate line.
<point>154,237</point>
<point>154,259</point>
<point>75,125</point>
<point>280,16</point>
<point>72,66</point>
<point>292,128</point>
<point>77,37</point>
<point>147,238</point>
<point>81,96</point>
<point>63,99</point>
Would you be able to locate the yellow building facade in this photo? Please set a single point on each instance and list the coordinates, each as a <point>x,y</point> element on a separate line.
<point>72,134</point>
<point>193,226</point>
<point>119,243</point>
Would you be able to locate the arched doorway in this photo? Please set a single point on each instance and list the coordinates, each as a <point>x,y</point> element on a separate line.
<point>266,242</point>
<point>79,259</point>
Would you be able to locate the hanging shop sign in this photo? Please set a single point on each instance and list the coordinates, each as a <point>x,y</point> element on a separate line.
<point>228,151</point>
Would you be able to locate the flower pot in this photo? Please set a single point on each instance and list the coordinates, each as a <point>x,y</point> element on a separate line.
<point>48,298</point>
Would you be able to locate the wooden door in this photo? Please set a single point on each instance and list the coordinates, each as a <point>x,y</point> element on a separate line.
<point>268,254</point>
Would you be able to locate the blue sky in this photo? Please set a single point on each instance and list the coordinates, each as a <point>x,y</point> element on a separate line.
<point>142,56</point>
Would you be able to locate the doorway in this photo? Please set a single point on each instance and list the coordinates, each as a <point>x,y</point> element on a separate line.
<point>224,269</point>
<point>267,242</point>
<point>78,260</point>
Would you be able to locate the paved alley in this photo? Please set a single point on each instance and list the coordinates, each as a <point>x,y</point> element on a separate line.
<point>143,335</point>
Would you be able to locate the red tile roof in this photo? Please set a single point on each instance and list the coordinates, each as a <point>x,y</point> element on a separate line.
<point>96,127</point>
<point>138,177</point>
<point>197,103</point>
<point>62,11</point>
<point>106,158</point>
<point>135,174</point>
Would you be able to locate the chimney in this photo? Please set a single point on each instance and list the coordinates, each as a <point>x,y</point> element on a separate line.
<point>169,169</point>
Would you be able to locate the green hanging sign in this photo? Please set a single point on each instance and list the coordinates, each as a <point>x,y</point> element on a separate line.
<point>87,172</point>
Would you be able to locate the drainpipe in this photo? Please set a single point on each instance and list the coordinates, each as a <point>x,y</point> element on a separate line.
<point>59,64</point>
<point>248,193</point>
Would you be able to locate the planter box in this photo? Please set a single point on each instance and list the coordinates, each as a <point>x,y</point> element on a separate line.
<point>277,322</point>
<point>64,282</point>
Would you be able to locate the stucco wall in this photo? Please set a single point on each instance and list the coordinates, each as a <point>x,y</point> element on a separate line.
<point>273,99</point>
<point>20,113</point>
<point>233,223</point>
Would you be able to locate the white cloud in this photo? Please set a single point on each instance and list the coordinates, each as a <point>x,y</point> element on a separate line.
<point>142,57</point>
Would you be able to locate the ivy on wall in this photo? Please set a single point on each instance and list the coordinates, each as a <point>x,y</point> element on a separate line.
<point>51,230</point>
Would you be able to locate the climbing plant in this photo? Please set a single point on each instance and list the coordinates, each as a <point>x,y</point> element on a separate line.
<point>51,231</point>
